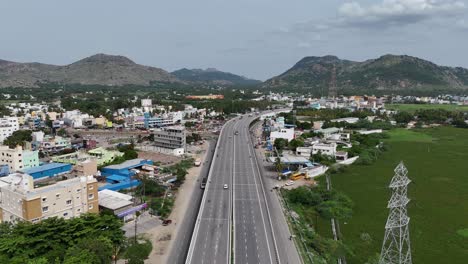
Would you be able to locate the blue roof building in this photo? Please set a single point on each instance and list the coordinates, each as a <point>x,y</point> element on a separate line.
<point>120,176</point>
<point>48,170</point>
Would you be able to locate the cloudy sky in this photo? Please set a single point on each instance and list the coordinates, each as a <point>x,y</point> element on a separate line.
<point>255,38</point>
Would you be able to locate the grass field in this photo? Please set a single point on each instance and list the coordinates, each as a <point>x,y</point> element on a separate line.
<point>414,107</point>
<point>437,160</point>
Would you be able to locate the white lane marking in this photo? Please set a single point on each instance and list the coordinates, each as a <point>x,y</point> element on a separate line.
<point>261,211</point>
<point>266,204</point>
<point>205,194</point>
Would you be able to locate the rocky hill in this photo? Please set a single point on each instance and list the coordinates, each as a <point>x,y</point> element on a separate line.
<point>387,72</point>
<point>98,69</point>
<point>212,76</point>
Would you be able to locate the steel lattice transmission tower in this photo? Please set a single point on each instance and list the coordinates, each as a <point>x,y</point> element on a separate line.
<point>396,247</point>
<point>332,89</point>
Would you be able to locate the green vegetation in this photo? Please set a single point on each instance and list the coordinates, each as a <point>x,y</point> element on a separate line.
<point>414,107</point>
<point>136,253</point>
<point>436,160</point>
<point>18,137</point>
<point>162,206</point>
<point>314,208</point>
<point>402,134</point>
<point>87,239</point>
<point>463,232</point>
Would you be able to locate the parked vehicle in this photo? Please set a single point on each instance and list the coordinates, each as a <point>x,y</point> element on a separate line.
<point>167,222</point>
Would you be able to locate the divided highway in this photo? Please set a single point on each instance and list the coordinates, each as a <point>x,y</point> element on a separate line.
<point>234,224</point>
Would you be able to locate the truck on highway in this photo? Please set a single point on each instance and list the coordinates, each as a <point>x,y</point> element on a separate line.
<point>203,183</point>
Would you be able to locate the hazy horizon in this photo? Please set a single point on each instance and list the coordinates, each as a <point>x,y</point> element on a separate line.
<point>254,38</point>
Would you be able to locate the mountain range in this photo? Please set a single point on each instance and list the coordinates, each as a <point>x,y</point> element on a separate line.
<point>388,72</point>
<point>103,69</point>
<point>212,76</point>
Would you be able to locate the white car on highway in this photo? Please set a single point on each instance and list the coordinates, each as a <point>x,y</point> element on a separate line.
<point>225,186</point>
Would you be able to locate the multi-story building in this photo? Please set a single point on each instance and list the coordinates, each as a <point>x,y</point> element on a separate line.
<point>55,144</point>
<point>18,159</point>
<point>21,201</point>
<point>8,125</point>
<point>170,140</point>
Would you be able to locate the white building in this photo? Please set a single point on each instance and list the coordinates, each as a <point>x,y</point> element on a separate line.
<point>285,133</point>
<point>18,159</point>
<point>349,120</point>
<point>8,125</point>
<point>324,149</point>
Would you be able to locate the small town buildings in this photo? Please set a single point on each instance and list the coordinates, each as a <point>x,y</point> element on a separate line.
<point>8,125</point>
<point>18,159</point>
<point>48,170</point>
<point>349,120</point>
<point>324,149</point>
<point>169,140</point>
<point>285,133</point>
<point>120,176</point>
<point>119,204</point>
<point>22,201</point>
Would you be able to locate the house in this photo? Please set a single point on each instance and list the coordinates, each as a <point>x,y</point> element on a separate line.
<point>18,159</point>
<point>22,201</point>
<point>285,133</point>
<point>324,149</point>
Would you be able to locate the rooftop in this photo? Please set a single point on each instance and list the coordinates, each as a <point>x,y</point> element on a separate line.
<point>127,164</point>
<point>114,200</point>
<point>48,166</point>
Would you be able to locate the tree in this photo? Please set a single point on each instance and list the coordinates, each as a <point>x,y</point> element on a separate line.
<point>280,144</point>
<point>403,117</point>
<point>18,137</point>
<point>62,132</point>
<point>295,143</point>
<point>137,252</point>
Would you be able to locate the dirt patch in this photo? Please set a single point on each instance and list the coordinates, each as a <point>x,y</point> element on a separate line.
<point>159,157</point>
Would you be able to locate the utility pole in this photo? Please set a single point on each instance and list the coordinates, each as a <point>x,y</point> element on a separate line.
<point>396,247</point>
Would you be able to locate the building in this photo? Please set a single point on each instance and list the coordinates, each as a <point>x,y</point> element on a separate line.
<point>324,149</point>
<point>170,140</point>
<point>18,159</point>
<point>86,168</point>
<point>21,201</point>
<point>285,133</point>
<point>120,176</point>
<point>48,170</point>
<point>349,120</point>
<point>54,144</point>
<point>205,97</point>
<point>119,204</point>
<point>327,132</point>
<point>304,151</point>
<point>8,125</point>
<point>101,155</point>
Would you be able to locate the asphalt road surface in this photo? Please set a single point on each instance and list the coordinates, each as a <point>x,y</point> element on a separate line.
<point>211,236</point>
<point>236,218</point>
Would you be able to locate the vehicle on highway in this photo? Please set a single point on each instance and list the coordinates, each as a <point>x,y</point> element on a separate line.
<point>289,183</point>
<point>203,183</point>
<point>236,133</point>
<point>167,222</point>
<point>225,186</point>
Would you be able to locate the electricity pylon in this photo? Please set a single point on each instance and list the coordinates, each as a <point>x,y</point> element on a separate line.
<point>396,247</point>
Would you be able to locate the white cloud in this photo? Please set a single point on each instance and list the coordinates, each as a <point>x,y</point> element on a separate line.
<point>398,12</point>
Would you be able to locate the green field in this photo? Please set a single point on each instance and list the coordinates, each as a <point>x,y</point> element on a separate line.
<point>414,107</point>
<point>437,160</point>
